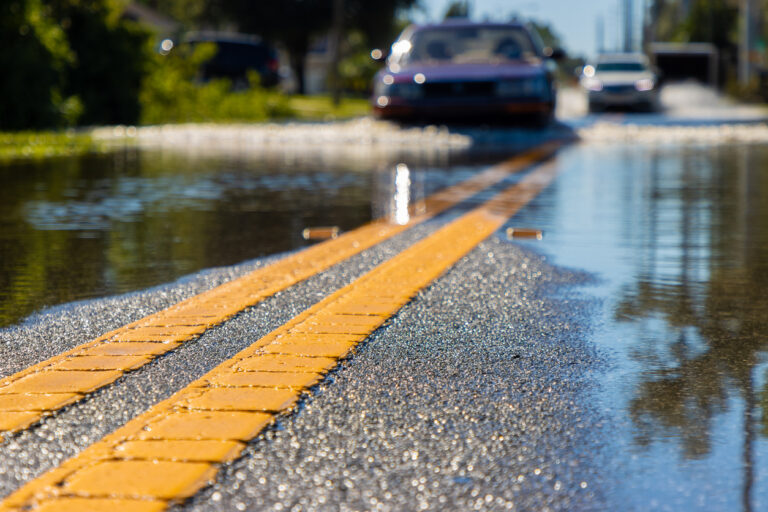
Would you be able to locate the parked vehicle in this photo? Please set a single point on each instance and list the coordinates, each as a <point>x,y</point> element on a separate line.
<point>236,55</point>
<point>623,80</point>
<point>460,69</point>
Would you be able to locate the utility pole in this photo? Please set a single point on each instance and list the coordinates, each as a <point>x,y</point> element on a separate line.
<point>628,26</point>
<point>599,35</point>
<point>335,47</point>
<point>649,25</point>
<point>747,15</point>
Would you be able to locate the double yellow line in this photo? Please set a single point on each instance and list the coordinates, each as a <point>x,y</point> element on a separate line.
<point>172,450</point>
<point>41,389</point>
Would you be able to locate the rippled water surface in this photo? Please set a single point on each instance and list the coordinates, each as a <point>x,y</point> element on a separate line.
<point>678,239</point>
<point>77,228</point>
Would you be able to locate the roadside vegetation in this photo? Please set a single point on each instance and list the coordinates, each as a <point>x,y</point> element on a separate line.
<point>81,63</point>
<point>76,63</point>
<point>170,93</point>
<point>34,145</point>
<point>321,108</point>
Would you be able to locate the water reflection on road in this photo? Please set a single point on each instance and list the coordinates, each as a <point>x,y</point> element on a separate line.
<point>680,237</point>
<point>77,228</point>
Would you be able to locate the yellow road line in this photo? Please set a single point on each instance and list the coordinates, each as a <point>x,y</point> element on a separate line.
<point>171,451</point>
<point>68,377</point>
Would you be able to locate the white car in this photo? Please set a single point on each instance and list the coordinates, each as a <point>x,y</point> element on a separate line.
<point>621,80</point>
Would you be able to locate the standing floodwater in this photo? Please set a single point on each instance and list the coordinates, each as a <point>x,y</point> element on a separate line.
<point>678,236</point>
<point>85,227</point>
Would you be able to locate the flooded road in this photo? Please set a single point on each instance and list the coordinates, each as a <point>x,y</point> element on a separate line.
<point>644,389</point>
<point>79,228</point>
<point>677,237</point>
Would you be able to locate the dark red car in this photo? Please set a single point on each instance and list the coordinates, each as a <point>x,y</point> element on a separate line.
<point>464,69</point>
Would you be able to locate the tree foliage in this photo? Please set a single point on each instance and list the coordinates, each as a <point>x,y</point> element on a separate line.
<point>296,23</point>
<point>69,61</point>
<point>34,54</point>
<point>171,93</point>
<point>80,61</point>
<point>458,9</point>
<point>110,59</point>
<point>711,21</point>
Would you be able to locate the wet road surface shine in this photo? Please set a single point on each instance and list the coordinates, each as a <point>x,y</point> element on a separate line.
<point>170,471</point>
<point>102,361</point>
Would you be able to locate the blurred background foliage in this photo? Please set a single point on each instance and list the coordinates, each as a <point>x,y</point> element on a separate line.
<point>171,93</point>
<point>83,62</point>
<point>69,62</point>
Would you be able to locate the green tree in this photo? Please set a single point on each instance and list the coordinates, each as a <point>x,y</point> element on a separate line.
<point>711,21</point>
<point>296,23</point>
<point>458,9</point>
<point>34,54</point>
<point>187,12</point>
<point>64,58</point>
<point>110,59</point>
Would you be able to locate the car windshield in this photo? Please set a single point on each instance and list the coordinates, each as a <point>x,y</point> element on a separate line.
<point>620,66</point>
<point>469,45</point>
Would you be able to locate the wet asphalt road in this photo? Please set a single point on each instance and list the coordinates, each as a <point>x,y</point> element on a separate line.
<point>474,397</point>
<point>619,364</point>
<point>462,400</point>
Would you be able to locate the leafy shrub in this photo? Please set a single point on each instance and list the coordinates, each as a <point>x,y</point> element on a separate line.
<point>172,93</point>
<point>357,69</point>
<point>110,59</point>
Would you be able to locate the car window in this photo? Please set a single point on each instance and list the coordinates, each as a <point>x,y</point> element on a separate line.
<point>620,66</point>
<point>469,45</point>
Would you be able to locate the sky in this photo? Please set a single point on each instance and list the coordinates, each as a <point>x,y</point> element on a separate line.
<point>574,21</point>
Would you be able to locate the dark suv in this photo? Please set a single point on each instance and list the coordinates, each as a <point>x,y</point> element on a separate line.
<point>236,55</point>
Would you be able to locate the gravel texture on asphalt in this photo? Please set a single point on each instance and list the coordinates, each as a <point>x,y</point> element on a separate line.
<point>473,397</point>
<point>66,433</point>
<point>29,453</point>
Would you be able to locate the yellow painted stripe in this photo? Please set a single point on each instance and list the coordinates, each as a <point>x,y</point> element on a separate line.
<point>169,452</point>
<point>79,371</point>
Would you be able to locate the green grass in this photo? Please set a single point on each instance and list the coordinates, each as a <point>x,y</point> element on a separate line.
<point>321,108</point>
<point>34,145</point>
<point>47,144</point>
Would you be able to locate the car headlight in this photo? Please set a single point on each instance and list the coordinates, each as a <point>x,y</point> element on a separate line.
<point>592,84</point>
<point>645,84</point>
<point>526,87</point>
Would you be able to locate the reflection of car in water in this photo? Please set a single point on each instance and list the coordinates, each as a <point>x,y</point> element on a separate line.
<point>237,54</point>
<point>464,69</point>
<point>621,80</point>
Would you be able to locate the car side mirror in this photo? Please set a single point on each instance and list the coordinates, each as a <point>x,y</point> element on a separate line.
<point>379,55</point>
